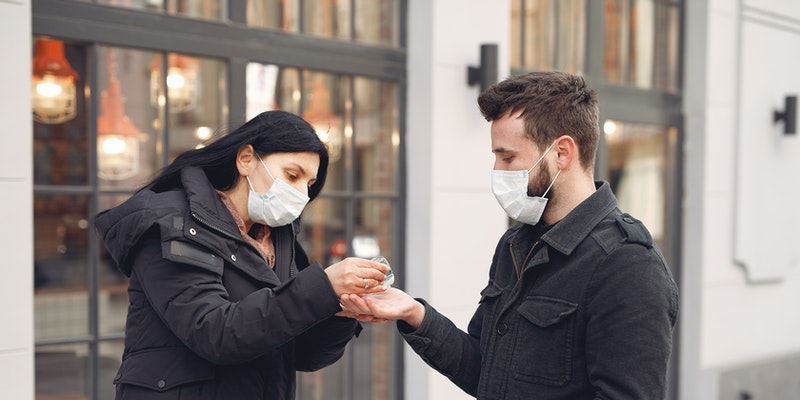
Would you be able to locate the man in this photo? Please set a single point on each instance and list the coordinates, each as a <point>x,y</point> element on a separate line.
<point>580,303</point>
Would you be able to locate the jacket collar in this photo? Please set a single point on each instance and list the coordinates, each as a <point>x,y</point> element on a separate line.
<point>568,233</point>
<point>204,202</point>
<point>573,229</point>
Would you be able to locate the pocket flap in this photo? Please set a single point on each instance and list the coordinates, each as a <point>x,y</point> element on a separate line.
<point>545,311</point>
<point>163,369</point>
<point>491,291</point>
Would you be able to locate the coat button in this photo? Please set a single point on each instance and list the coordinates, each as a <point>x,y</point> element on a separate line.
<point>161,384</point>
<point>628,219</point>
<point>118,376</point>
<point>502,329</point>
<point>233,257</point>
<point>192,231</point>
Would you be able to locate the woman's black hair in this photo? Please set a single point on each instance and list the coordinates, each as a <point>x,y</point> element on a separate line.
<point>269,132</point>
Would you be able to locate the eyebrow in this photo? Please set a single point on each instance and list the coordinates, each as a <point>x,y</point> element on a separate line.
<point>501,150</point>
<point>302,170</point>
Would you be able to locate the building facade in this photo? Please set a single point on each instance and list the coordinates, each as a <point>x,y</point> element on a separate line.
<point>696,99</point>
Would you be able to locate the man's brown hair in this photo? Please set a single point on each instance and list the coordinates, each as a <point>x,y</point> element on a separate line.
<point>552,104</point>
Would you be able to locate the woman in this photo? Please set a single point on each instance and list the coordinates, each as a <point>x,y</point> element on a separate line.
<point>223,301</point>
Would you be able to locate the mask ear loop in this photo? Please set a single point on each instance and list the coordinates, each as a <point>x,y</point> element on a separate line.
<point>265,167</point>
<point>552,183</point>
<point>542,157</point>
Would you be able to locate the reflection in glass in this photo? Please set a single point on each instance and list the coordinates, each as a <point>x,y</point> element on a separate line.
<point>548,34</point>
<point>126,137</point>
<point>274,14</point>
<point>326,100</point>
<point>109,358</point>
<point>203,9</point>
<point>59,150</point>
<point>641,43</point>
<point>61,275</point>
<point>327,18</point>
<point>376,134</point>
<point>377,22</point>
<point>667,47</point>
<point>53,94</point>
<point>270,87</point>
<point>375,219</point>
<point>190,127</point>
<point>149,5</point>
<point>112,295</point>
<point>183,86</point>
<point>637,163</point>
<point>324,230</point>
<point>62,371</point>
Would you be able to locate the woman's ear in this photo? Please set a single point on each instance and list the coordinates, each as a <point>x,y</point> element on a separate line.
<point>244,159</point>
<point>567,151</point>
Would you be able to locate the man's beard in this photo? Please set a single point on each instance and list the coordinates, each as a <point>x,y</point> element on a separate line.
<point>538,185</point>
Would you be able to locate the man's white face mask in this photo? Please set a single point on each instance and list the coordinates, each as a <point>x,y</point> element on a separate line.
<point>510,188</point>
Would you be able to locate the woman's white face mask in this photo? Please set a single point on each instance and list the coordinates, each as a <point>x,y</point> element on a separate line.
<point>510,188</point>
<point>281,205</point>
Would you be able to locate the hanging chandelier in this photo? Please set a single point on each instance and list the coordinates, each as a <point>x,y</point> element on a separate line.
<point>182,82</point>
<point>53,94</point>
<point>117,136</point>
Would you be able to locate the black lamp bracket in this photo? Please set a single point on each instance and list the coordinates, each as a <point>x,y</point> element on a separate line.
<point>788,115</point>
<point>486,73</point>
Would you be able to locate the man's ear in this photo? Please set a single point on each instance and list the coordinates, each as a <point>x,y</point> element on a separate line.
<point>244,159</point>
<point>567,152</point>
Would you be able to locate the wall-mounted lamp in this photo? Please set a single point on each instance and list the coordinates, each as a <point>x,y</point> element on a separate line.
<point>788,115</point>
<point>486,73</point>
<point>53,95</point>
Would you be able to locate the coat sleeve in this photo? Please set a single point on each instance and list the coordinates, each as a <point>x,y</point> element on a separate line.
<point>324,344</point>
<point>454,353</point>
<point>632,309</point>
<point>193,303</point>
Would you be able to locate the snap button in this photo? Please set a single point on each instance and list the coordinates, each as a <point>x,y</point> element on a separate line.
<point>233,257</point>
<point>628,220</point>
<point>192,231</point>
<point>161,384</point>
<point>502,329</point>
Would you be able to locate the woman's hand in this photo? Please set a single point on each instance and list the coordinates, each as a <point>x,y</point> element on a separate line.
<point>357,275</point>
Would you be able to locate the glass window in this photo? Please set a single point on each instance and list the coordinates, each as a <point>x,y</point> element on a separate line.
<point>326,102</point>
<point>153,104</point>
<point>274,14</point>
<point>61,275</point>
<point>356,214</point>
<point>201,9</point>
<point>641,43</point>
<point>62,371</point>
<point>377,22</point>
<point>127,134</point>
<point>197,105</point>
<point>641,173</point>
<point>377,135</point>
<point>327,18</point>
<point>548,34</point>
<point>60,120</point>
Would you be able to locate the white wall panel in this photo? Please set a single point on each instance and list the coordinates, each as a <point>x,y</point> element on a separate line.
<point>16,237</point>
<point>768,161</point>
<point>748,323</point>
<point>453,220</point>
